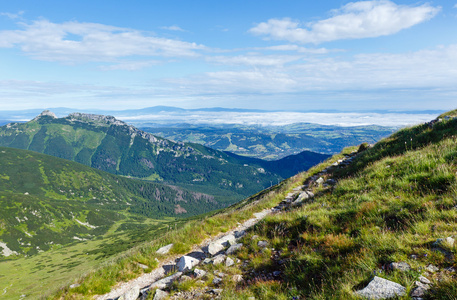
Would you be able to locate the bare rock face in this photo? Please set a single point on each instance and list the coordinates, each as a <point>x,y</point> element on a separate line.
<point>380,288</point>
<point>46,113</point>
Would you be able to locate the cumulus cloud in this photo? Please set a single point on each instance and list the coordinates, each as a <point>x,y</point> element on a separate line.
<point>355,20</point>
<point>378,72</point>
<point>75,42</point>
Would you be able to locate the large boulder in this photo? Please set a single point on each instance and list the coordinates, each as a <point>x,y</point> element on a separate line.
<point>380,288</point>
<point>220,244</point>
<point>186,263</point>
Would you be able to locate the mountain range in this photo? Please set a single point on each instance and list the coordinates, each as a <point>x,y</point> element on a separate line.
<point>108,144</point>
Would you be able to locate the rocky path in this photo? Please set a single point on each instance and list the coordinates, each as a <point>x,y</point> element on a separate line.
<point>157,277</point>
<point>215,250</point>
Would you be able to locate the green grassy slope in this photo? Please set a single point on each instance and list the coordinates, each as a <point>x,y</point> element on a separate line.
<point>111,145</point>
<point>47,202</point>
<point>391,204</point>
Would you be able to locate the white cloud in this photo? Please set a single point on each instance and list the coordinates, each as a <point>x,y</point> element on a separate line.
<point>254,60</point>
<point>130,65</point>
<point>378,73</point>
<point>355,20</point>
<point>281,118</point>
<point>74,42</point>
<point>173,28</point>
<point>11,15</point>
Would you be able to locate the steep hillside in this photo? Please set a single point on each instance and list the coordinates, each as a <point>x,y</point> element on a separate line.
<point>111,145</point>
<point>47,202</point>
<point>383,215</point>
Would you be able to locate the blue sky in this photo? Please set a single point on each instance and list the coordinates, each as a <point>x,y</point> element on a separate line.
<point>289,54</point>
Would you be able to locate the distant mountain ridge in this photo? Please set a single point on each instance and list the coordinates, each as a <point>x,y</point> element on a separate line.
<point>111,145</point>
<point>28,114</point>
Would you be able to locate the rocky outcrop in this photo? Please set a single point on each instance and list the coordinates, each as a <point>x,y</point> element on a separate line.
<point>380,288</point>
<point>45,113</point>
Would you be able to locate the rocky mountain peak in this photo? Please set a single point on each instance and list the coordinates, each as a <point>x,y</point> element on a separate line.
<point>109,120</point>
<point>46,113</point>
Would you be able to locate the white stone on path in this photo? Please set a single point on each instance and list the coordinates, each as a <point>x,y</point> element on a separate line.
<point>131,294</point>
<point>164,249</point>
<point>186,263</point>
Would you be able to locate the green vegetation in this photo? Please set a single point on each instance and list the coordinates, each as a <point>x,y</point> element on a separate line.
<point>107,144</point>
<point>49,202</point>
<point>391,204</point>
<point>194,231</point>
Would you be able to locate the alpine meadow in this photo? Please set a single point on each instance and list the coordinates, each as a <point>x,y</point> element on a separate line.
<point>253,150</point>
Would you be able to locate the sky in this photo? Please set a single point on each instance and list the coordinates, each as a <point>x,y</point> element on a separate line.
<point>292,55</point>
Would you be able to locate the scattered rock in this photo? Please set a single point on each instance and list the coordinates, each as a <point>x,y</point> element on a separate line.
<point>165,282</point>
<point>262,244</point>
<point>237,278</point>
<point>220,244</point>
<point>331,181</point>
<point>233,248</point>
<point>207,261</point>
<point>186,263</point>
<point>419,291</point>
<point>239,234</point>
<point>218,259</point>
<point>164,249</point>
<point>185,278</point>
<point>199,273</point>
<point>424,280</point>
<point>215,291</point>
<point>159,295</point>
<point>401,266</point>
<point>217,280</point>
<point>75,285</point>
<point>131,294</point>
<point>431,268</point>
<point>144,267</point>
<point>219,274</point>
<point>447,242</point>
<point>380,288</point>
<point>229,262</point>
<point>320,181</point>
